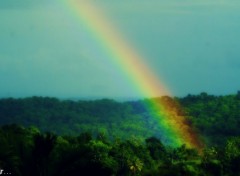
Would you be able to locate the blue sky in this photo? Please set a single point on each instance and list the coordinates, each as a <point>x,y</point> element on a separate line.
<point>191,45</point>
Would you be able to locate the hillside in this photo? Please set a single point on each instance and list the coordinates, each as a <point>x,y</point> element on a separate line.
<point>215,118</point>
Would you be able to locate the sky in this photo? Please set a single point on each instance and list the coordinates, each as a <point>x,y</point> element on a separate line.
<point>191,46</point>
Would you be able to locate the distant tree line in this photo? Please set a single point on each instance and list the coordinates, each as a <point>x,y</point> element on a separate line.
<point>215,118</point>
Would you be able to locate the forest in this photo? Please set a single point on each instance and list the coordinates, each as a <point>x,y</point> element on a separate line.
<point>46,136</point>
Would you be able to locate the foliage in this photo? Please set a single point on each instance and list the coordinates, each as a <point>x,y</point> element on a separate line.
<point>105,137</point>
<point>48,154</point>
<point>215,118</point>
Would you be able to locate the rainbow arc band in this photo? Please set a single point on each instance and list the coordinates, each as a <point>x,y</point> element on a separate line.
<point>141,76</point>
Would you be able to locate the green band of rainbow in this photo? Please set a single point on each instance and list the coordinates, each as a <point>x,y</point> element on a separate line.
<point>133,65</point>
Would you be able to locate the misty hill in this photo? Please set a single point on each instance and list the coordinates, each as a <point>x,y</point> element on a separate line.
<point>215,118</point>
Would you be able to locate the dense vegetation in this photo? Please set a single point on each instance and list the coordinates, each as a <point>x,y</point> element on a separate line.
<point>215,118</point>
<point>26,151</point>
<point>105,137</point>
<point>109,117</point>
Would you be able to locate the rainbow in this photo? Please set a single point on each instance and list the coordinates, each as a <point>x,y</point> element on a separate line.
<point>118,48</point>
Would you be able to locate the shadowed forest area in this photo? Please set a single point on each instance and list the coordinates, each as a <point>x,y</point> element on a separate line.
<point>46,136</point>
